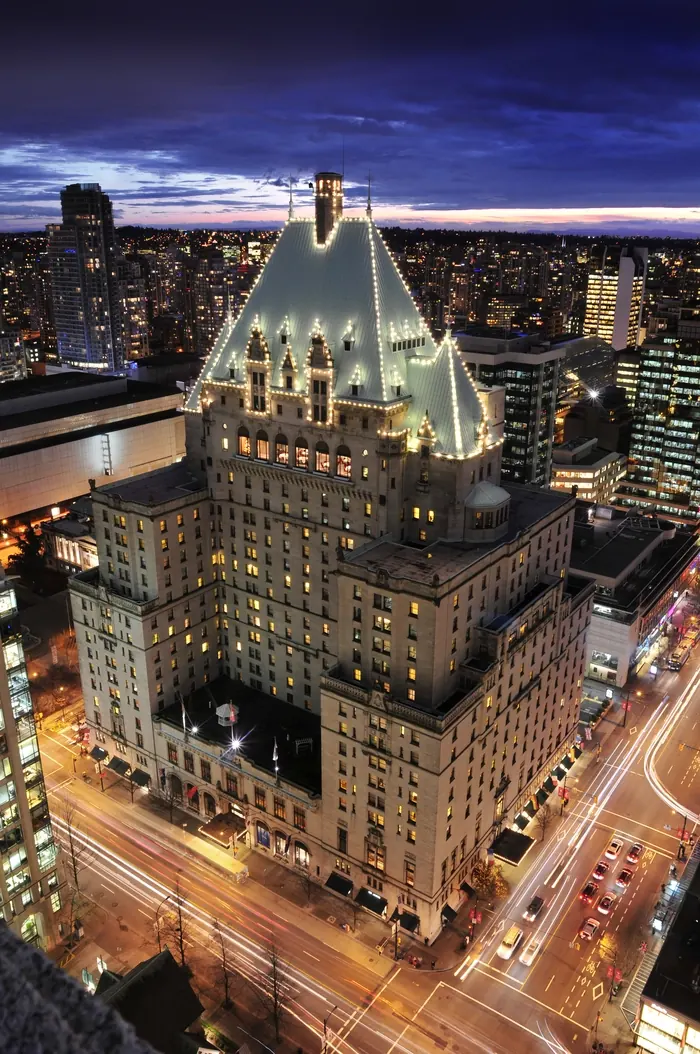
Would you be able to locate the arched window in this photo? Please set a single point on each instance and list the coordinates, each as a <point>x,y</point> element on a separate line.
<point>281,450</point>
<point>301,454</point>
<point>262,446</point>
<point>343,462</point>
<point>262,834</point>
<point>243,442</point>
<point>323,458</point>
<point>209,804</point>
<point>192,797</point>
<point>302,857</point>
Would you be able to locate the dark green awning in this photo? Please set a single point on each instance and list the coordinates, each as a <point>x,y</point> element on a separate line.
<point>339,884</point>
<point>521,821</point>
<point>98,753</point>
<point>140,778</point>
<point>119,766</point>
<point>549,785</point>
<point>367,898</point>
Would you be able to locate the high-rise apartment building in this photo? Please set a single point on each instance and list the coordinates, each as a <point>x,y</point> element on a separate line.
<point>13,363</point>
<point>133,307</point>
<point>664,470</point>
<point>83,252</point>
<point>208,297</point>
<point>28,880</point>
<point>614,297</point>
<point>338,543</point>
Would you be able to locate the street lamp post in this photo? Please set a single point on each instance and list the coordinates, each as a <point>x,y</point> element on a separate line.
<point>627,706</point>
<point>163,901</point>
<point>325,1029</point>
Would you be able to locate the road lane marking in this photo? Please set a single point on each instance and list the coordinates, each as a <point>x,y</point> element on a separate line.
<point>419,1011</point>
<point>310,955</point>
<point>354,1020</point>
<point>550,981</point>
<point>145,913</point>
<point>108,889</point>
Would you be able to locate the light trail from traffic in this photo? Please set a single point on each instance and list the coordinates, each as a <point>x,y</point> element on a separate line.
<point>251,958</point>
<point>672,718</point>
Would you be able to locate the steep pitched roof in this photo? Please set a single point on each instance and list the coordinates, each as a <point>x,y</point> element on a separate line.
<point>350,291</point>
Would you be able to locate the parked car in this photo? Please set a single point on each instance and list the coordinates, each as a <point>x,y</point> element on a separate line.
<point>589,929</point>
<point>533,909</point>
<point>635,853</point>
<point>530,951</point>
<point>614,849</point>
<point>624,878</point>
<point>606,902</point>
<point>601,870</point>
<point>588,892</point>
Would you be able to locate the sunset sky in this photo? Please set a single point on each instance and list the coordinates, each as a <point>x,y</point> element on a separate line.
<point>579,118</point>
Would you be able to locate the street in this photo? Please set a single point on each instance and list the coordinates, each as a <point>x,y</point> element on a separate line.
<point>641,789</point>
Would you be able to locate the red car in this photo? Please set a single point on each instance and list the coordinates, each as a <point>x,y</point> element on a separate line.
<point>624,878</point>
<point>588,892</point>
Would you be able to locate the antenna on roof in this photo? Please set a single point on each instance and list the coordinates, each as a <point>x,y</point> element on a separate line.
<point>342,157</point>
<point>290,214</point>
<point>369,195</point>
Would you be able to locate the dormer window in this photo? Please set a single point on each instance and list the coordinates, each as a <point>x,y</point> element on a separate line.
<point>289,382</point>
<point>347,345</point>
<point>320,400</point>
<point>257,390</point>
<point>354,389</point>
<point>283,338</point>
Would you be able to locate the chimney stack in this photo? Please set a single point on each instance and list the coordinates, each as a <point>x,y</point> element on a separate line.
<point>329,203</point>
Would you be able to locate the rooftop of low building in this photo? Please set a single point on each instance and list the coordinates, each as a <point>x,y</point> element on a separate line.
<point>438,564</point>
<point>263,722</point>
<point>155,488</point>
<point>675,978</point>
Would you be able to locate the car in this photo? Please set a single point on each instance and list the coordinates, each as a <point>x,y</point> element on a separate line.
<point>533,909</point>
<point>606,902</point>
<point>510,942</point>
<point>601,870</point>
<point>530,951</point>
<point>624,878</point>
<point>589,929</point>
<point>635,853</point>
<point>614,849</point>
<point>588,892</point>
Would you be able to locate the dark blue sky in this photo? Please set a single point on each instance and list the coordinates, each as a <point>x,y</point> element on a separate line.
<point>192,115</point>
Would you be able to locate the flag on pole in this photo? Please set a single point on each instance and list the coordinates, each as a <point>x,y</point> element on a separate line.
<point>275,755</point>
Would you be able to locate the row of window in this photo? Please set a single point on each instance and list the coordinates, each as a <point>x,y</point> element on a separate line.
<point>302,459</point>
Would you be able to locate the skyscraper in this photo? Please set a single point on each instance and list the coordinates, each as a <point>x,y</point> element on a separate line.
<point>83,251</point>
<point>614,297</point>
<point>28,880</point>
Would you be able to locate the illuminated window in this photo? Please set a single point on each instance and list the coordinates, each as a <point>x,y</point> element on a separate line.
<point>243,442</point>
<point>430,516</point>
<point>416,512</point>
<point>413,608</point>
<point>323,458</point>
<point>343,462</point>
<point>301,453</point>
<point>262,446</point>
<point>281,450</point>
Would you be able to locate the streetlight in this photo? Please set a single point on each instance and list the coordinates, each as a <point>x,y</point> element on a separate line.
<point>163,901</point>
<point>325,1029</point>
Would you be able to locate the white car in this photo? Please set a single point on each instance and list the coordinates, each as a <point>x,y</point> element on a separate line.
<point>530,951</point>
<point>606,903</point>
<point>510,942</point>
<point>614,849</point>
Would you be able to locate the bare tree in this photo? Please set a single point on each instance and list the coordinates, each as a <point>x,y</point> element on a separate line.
<point>277,999</point>
<point>77,853</point>
<point>169,797</point>
<point>543,818</point>
<point>271,991</point>
<point>224,967</point>
<point>308,884</point>
<point>175,925</point>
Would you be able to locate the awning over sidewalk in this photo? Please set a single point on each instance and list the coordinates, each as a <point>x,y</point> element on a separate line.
<point>469,890</point>
<point>224,828</point>
<point>567,762</point>
<point>407,920</point>
<point>521,821</point>
<point>448,914</point>
<point>529,808</point>
<point>549,785</point>
<point>542,795</point>
<point>98,753</point>
<point>367,898</point>
<point>577,751</point>
<point>559,772</point>
<point>339,884</point>
<point>140,778</point>
<point>119,766</point>
<point>512,846</point>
